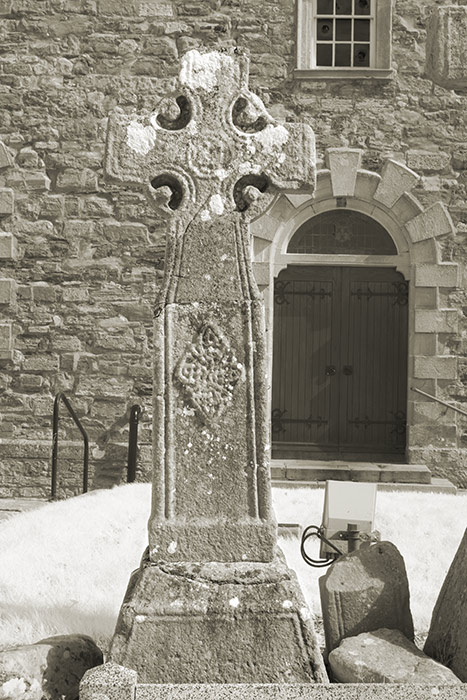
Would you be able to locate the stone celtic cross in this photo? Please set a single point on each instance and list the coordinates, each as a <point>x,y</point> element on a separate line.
<point>210,158</point>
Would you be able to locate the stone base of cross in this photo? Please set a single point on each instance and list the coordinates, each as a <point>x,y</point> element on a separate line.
<point>217,623</point>
<point>213,600</point>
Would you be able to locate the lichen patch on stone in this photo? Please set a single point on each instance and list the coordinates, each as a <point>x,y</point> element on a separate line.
<point>216,204</point>
<point>272,137</point>
<point>204,70</point>
<point>140,138</point>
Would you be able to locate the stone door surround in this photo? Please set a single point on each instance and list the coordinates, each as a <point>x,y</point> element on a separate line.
<point>416,231</point>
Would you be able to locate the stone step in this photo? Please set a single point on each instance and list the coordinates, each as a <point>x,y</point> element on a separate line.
<point>436,486</point>
<point>375,472</point>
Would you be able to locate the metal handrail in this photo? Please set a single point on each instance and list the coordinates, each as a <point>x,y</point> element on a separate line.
<point>135,413</point>
<point>444,403</point>
<point>61,397</point>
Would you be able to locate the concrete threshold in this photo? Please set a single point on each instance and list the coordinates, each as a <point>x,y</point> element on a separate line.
<point>436,485</point>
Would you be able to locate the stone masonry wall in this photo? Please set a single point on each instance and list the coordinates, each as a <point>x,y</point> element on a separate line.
<point>81,258</point>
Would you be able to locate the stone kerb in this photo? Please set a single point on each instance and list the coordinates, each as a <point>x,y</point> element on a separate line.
<point>114,682</point>
<point>386,197</point>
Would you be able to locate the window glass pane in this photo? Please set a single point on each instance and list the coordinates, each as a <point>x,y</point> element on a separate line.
<point>342,232</point>
<point>325,7</point>
<point>324,30</point>
<point>342,55</point>
<point>361,30</point>
<point>344,30</point>
<point>361,55</point>
<point>343,7</point>
<point>324,55</point>
<point>362,7</point>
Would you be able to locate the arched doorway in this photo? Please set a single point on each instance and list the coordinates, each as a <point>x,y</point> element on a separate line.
<point>340,343</point>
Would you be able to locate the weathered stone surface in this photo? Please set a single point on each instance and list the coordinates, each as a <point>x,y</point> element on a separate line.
<point>363,591</point>
<point>386,656</point>
<point>51,668</point>
<point>209,156</point>
<point>224,623</point>
<point>7,201</point>
<point>396,179</point>
<point>110,681</point>
<point>343,164</point>
<point>8,245</point>
<point>216,156</point>
<point>442,367</point>
<point>447,639</point>
<point>435,221</point>
<point>446,52</point>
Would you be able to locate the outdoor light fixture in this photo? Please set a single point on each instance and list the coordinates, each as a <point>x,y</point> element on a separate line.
<point>348,518</point>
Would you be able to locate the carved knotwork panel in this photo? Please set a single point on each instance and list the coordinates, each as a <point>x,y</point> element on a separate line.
<point>209,372</point>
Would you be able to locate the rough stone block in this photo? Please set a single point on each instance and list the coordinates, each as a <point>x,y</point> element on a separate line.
<point>261,272</point>
<point>36,181</point>
<point>39,363</point>
<point>442,367</point>
<point>396,179</point>
<point>443,275</point>
<point>366,185</point>
<point>425,298</point>
<point>424,344</point>
<point>439,435</point>
<point>7,201</point>
<point>8,245</point>
<point>108,681</point>
<point>43,292</point>
<point>155,8</point>
<point>364,591</point>
<point>436,321</point>
<point>446,49</point>
<point>84,180</point>
<point>6,336</point>
<point>50,669</point>
<point>428,160</point>
<point>75,294</point>
<point>214,623</point>
<point>7,291</point>
<point>343,164</point>
<point>447,641</point>
<point>433,222</point>
<point>386,656</point>
<point>6,159</point>
<point>6,7</point>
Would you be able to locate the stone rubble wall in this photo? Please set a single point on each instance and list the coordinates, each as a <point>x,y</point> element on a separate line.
<point>81,258</point>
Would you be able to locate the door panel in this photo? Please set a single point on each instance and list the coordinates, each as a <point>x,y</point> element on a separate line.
<point>305,324</point>
<point>340,360</point>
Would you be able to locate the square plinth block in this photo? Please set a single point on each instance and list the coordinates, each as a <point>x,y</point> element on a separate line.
<point>217,623</point>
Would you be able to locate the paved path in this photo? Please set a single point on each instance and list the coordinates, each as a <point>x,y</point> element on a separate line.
<point>10,506</point>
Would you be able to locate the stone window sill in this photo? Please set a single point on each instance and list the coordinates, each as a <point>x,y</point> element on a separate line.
<point>345,73</point>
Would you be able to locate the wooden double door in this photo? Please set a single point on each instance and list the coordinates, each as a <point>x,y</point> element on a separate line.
<point>339,381</point>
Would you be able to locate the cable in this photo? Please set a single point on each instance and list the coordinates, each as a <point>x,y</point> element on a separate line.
<point>314,530</point>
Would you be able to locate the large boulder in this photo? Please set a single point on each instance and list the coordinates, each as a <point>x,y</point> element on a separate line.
<point>447,638</point>
<point>386,656</point>
<point>51,668</point>
<point>364,591</point>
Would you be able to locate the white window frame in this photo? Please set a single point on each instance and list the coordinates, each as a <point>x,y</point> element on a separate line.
<point>380,44</point>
